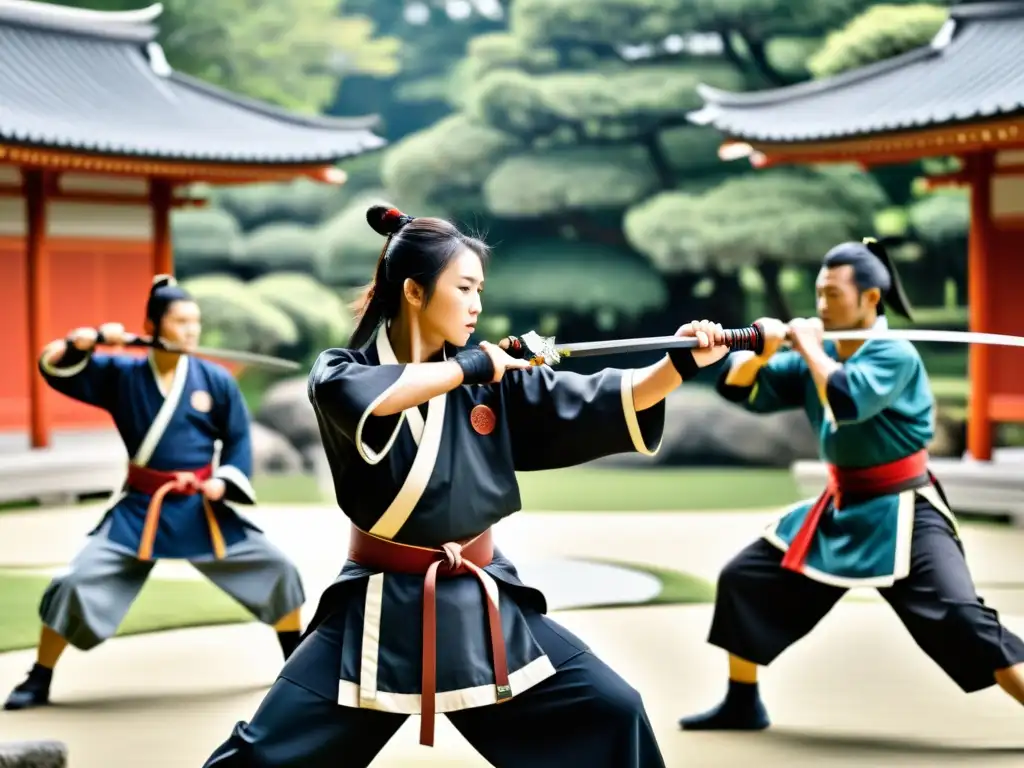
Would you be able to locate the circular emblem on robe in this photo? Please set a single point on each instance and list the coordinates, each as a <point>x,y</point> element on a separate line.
<point>483,420</point>
<point>201,401</point>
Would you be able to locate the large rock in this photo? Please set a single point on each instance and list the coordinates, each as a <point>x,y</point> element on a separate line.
<point>703,428</point>
<point>33,754</point>
<point>287,411</point>
<point>272,453</point>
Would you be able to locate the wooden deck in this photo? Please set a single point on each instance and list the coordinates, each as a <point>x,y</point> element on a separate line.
<point>77,464</point>
<point>983,488</point>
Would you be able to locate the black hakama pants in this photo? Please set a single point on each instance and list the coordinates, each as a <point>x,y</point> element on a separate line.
<point>585,715</point>
<point>761,608</point>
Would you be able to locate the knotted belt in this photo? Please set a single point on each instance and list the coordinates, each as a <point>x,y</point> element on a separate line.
<point>157,484</point>
<point>451,559</point>
<point>879,480</point>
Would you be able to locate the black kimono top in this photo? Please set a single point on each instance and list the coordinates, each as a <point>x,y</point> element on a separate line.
<point>442,472</point>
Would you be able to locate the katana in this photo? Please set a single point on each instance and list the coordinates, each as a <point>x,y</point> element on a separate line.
<point>544,350</point>
<point>229,355</point>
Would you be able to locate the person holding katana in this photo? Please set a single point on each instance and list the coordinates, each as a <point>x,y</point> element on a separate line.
<point>882,521</point>
<point>170,409</point>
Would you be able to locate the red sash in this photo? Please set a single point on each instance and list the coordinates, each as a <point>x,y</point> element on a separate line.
<point>867,481</point>
<point>452,559</point>
<point>157,484</point>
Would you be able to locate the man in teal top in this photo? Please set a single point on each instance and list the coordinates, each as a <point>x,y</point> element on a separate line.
<point>882,520</point>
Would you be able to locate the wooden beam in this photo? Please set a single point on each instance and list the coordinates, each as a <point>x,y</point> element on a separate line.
<point>1006,409</point>
<point>106,198</point>
<point>38,278</point>
<point>161,192</point>
<point>892,147</point>
<point>979,413</point>
<point>182,171</point>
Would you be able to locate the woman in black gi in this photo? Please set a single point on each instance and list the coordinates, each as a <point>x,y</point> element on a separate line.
<point>424,437</point>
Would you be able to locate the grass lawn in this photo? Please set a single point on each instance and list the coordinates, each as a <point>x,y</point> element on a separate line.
<point>589,489</point>
<point>161,605</point>
<point>288,489</point>
<point>166,604</point>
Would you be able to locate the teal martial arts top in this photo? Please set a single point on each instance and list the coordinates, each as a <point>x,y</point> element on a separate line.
<point>879,410</point>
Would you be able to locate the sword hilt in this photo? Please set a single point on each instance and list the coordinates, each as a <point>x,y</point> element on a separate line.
<point>750,339</point>
<point>514,347</point>
<point>131,340</point>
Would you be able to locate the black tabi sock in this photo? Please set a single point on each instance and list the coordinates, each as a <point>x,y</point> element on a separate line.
<point>289,642</point>
<point>741,710</point>
<point>40,674</point>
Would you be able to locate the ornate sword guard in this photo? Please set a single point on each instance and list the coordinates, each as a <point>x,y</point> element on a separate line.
<point>540,350</point>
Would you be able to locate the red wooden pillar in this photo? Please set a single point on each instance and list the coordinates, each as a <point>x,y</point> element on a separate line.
<point>979,251</point>
<point>160,192</point>
<point>38,288</point>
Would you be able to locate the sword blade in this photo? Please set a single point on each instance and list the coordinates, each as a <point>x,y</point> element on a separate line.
<point>249,358</point>
<point>655,343</point>
<point>916,334</point>
<point>623,346</point>
<point>228,355</point>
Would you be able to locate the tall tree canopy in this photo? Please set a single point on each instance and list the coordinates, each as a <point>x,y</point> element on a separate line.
<point>287,53</point>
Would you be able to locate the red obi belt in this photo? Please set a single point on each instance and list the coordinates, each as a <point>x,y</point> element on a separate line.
<point>157,485</point>
<point>883,479</point>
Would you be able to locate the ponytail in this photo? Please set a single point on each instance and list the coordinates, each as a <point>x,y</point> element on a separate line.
<point>370,303</point>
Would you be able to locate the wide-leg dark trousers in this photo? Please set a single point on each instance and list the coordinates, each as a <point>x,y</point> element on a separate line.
<point>584,715</point>
<point>761,609</point>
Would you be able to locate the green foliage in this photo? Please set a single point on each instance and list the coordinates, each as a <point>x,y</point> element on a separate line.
<point>350,248</point>
<point>615,22</point>
<point>204,239</point>
<point>574,276</point>
<point>319,313</point>
<point>233,317</point>
<point>303,201</point>
<point>881,32</point>
<point>891,222</point>
<point>553,182</point>
<point>941,219</point>
<point>501,50</point>
<point>782,215</point>
<point>277,51</point>
<point>283,246</point>
<point>668,229</point>
<point>693,151</point>
<point>614,104</point>
<point>446,163</point>
<point>764,19</point>
<point>789,54</point>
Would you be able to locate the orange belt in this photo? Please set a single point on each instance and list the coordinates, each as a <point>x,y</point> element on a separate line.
<point>157,485</point>
<point>452,559</point>
<point>868,481</point>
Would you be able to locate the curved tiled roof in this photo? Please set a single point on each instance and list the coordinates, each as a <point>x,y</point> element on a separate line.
<point>973,69</point>
<point>97,82</point>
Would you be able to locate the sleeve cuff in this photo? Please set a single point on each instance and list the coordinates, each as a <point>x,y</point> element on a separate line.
<point>239,489</point>
<point>71,363</point>
<point>731,392</point>
<point>375,455</point>
<point>840,399</point>
<point>655,430</point>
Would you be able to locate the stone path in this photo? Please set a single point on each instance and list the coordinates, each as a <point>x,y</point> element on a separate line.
<point>856,692</point>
